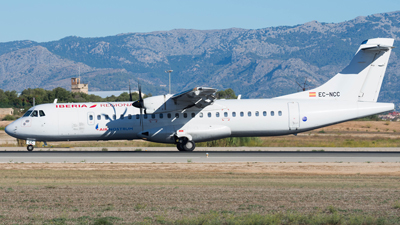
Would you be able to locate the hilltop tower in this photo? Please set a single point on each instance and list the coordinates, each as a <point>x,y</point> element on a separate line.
<point>76,86</point>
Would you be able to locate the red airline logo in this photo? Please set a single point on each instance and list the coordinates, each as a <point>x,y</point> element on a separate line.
<point>68,106</point>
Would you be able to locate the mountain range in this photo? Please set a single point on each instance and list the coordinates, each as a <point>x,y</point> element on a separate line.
<point>256,63</point>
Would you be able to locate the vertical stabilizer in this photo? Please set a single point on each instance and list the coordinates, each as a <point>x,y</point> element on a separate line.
<point>361,80</point>
<point>381,49</point>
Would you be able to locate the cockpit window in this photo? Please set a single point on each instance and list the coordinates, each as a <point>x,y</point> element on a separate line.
<point>41,113</point>
<point>34,114</point>
<point>27,113</point>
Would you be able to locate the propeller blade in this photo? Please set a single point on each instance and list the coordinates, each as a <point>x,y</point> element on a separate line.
<point>130,93</point>
<point>141,118</point>
<point>140,93</point>
<point>139,103</point>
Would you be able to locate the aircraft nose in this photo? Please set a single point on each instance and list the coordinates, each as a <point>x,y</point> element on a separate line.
<point>9,130</point>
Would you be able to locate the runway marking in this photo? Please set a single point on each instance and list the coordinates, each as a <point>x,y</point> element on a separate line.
<point>193,157</point>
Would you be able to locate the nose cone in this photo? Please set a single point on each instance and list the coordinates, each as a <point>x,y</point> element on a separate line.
<point>9,129</point>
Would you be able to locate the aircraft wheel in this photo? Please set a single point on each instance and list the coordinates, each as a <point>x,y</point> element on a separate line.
<point>29,148</point>
<point>188,146</point>
<point>179,147</point>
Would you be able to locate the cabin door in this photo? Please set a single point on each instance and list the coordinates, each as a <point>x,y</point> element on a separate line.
<point>294,115</point>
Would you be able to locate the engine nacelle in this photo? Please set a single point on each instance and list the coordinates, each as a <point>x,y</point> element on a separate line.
<point>204,132</point>
<point>156,103</point>
<point>198,133</point>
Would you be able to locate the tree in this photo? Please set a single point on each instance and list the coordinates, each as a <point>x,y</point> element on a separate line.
<point>226,94</point>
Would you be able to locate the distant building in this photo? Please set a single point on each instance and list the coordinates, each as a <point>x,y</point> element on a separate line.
<point>76,86</point>
<point>6,111</point>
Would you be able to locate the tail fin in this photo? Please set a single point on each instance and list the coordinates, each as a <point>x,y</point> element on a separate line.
<point>361,80</point>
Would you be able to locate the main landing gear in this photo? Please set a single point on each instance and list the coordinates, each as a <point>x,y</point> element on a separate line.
<point>29,148</point>
<point>185,145</point>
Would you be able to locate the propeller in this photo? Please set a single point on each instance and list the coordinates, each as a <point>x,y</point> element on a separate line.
<point>139,104</point>
<point>302,86</point>
<point>130,93</point>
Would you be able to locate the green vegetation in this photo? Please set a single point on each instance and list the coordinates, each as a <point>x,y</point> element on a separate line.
<point>369,118</point>
<point>226,94</point>
<point>287,217</point>
<point>233,142</point>
<point>25,100</point>
<point>9,117</point>
<point>223,217</point>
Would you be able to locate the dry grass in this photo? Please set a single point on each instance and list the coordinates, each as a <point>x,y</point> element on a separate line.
<point>125,193</point>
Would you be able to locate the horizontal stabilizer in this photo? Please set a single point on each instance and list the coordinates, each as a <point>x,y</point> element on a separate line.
<point>377,48</point>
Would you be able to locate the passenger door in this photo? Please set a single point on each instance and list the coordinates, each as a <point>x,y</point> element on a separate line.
<point>294,115</point>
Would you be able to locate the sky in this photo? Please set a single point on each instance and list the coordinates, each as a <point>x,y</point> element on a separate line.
<point>49,20</point>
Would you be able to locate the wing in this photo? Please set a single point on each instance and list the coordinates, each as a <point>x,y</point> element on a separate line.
<point>199,97</point>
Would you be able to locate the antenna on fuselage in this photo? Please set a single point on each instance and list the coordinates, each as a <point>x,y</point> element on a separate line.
<point>302,86</point>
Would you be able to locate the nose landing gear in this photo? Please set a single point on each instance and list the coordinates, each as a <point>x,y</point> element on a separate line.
<point>29,148</point>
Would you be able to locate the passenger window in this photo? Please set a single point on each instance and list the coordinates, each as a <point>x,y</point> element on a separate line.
<point>233,114</point>
<point>217,114</point>
<point>106,116</point>
<point>169,115</point>
<point>265,113</point>
<point>153,116</point>
<point>137,116</point>
<point>145,116</point>
<point>272,113</point>
<point>280,113</point>
<point>249,113</point>
<point>90,117</point>
<point>34,114</point>
<point>225,114</point>
<point>185,115</point>
<point>241,114</point>
<point>193,115</point>
<point>98,117</point>
<point>122,117</point>
<point>176,115</point>
<point>209,114</point>
<point>114,117</point>
<point>257,113</point>
<point>41,113</point>
<point>161,115</point>
<point>27,113</point>
<point>201,115</point>
<point>129,116</point>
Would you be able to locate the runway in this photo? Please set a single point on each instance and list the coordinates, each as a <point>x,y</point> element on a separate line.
<point>193,157</point>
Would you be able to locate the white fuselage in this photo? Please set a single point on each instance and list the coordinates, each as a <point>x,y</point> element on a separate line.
<point>224,118</point>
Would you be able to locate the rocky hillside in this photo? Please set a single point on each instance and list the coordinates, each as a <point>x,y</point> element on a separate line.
<point>255,63</point>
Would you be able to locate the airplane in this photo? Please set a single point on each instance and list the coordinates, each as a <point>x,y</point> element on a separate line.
<point>196,115</point>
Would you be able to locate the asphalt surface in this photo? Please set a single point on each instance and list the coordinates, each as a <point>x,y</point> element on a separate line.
<point>195,157</point>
